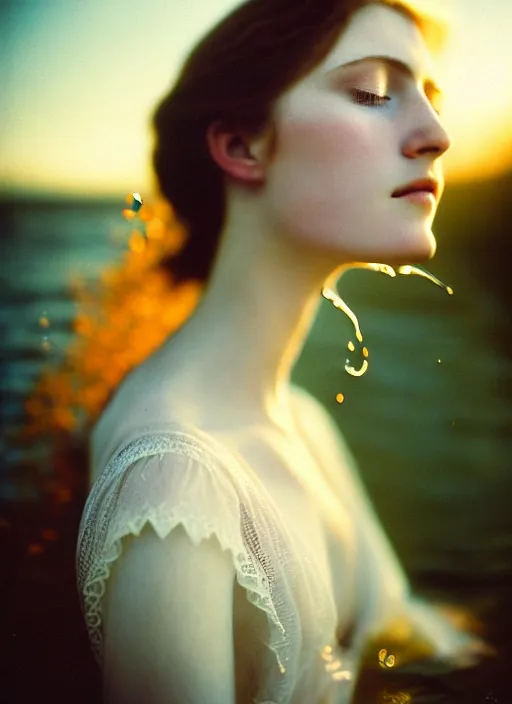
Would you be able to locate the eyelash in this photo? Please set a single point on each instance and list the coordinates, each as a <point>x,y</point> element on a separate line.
<point>364,97</point>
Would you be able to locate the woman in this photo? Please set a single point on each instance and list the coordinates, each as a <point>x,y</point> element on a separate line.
<point>227,550</point>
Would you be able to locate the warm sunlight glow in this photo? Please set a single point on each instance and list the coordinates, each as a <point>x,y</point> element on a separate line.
<point>80,124</point>
<point>477,73</point>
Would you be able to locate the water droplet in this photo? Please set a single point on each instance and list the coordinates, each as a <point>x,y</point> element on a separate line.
<point>332,296</point>
<point>337,302</point>
<point>439,361</point>
<point>385,659</point>
<point>408,270</point>
<point>381,268</point>
<point>356,372</point>
<point>405,270</point>
<point>135,202</point>
<point>341,305</point>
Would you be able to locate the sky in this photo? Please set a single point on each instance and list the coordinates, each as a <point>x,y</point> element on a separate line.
<point>81,77</point>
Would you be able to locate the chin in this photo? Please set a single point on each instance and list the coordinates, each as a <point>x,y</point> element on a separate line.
<point>418,251</point>
<point>425,251</point>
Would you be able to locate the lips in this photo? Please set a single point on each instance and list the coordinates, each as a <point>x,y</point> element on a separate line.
<point>425,184</point>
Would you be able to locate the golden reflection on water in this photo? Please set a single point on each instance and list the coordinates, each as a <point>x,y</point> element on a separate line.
<point>395,698</point>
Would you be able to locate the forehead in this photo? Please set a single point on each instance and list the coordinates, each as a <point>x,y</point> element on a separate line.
<point>379,30</point>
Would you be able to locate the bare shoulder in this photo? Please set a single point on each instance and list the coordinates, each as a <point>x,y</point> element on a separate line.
<point>167,601</point>
<point>305,401</point>
<point>316,420</point>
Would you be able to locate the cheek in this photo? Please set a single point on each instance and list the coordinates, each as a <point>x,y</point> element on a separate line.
<point>322,140</point>
<point>324,163</point>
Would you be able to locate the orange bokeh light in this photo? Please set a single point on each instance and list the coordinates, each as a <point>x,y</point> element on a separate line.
<point>121,318</point>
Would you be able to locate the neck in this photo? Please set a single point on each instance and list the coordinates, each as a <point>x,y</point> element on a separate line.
<point>238,349</point>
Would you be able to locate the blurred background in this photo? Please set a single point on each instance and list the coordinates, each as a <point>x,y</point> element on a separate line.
<point>84,300</point>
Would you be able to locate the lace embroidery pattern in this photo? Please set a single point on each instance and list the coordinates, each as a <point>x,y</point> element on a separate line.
<point>261,558</point>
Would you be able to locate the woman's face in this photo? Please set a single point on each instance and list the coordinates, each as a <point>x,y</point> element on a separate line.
<point>340,154</point>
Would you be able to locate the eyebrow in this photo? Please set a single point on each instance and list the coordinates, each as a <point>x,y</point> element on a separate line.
<point>429,84</point>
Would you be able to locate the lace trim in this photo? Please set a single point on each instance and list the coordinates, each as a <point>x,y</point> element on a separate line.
<point>255,572</point>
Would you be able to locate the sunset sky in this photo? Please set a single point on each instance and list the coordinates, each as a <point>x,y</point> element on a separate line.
<point>80,79</point>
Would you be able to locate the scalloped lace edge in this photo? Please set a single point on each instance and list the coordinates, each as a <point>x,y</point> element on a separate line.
<point>96,581</point>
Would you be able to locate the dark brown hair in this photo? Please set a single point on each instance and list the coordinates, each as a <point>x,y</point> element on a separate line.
<point>236,73</point>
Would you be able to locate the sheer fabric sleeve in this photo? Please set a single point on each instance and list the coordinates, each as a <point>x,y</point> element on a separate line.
<point>165,490</point>
<point>166,481</point>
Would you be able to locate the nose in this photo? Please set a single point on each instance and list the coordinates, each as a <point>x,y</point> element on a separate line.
<point>427,135</point>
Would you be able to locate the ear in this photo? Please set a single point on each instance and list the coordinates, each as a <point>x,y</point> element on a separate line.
<point>239,156</point>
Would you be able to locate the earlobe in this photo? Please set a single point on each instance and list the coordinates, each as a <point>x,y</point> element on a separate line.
<point>232,152</point>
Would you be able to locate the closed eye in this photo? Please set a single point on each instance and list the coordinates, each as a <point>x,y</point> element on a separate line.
<point>364,97</point>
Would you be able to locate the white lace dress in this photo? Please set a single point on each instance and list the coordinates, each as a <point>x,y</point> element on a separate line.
<point>172,473</point>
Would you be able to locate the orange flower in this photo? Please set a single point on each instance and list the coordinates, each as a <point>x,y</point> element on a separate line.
<point>121,319</point>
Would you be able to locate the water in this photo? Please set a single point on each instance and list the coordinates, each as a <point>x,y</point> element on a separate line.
<point>337,301</point>
<point>429,424</point>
